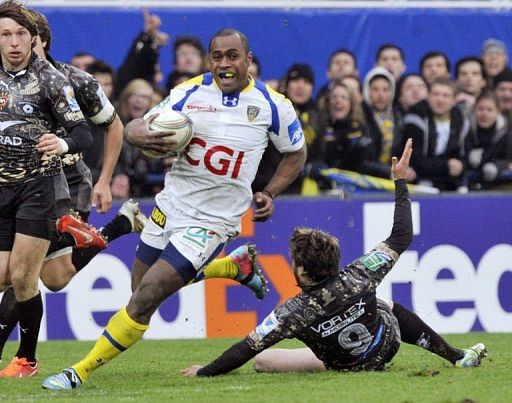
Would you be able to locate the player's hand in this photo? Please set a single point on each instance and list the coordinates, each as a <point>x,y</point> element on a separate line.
<point>264,206</point>
<point>137,134</point>
<point>399,169</point>
<point>101,197</point>
<point>191,371</point>
<point>49,144</point>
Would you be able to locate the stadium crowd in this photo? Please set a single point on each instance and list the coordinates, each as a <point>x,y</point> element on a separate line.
<point>458,117</point>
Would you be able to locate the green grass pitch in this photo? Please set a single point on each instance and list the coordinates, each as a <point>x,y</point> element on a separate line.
<point>149,372</point>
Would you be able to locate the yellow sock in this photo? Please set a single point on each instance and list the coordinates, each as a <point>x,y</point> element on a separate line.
<point>121,333</point>
<point>224,267</point>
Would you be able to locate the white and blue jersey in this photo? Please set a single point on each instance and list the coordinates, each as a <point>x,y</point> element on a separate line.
<point>211,181</point>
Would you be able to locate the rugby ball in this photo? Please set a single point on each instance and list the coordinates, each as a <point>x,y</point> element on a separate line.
<point>179,123</point>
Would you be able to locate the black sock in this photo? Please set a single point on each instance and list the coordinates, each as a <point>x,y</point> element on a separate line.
<point>31,312</point>
<point>9,316</point>
<point>414,331</point>
<point>119,226</point>
<point>82,256</point>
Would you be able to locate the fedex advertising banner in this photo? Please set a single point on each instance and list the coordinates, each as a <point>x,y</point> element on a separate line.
<point>457,273</point>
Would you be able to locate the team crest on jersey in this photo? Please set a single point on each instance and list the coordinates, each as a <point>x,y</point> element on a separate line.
<point>70,98</point>
<point>252,112</point>
<point>4,99</point>
<point>230,100</point>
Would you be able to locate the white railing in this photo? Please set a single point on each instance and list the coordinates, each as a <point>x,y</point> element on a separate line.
<point>286,4</point>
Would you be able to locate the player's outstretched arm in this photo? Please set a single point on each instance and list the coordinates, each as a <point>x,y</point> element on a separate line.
<point>401,234</point>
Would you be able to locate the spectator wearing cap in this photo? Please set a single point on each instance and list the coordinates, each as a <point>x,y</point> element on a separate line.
<point>383,122</point>
<point>434,65</point>
<point>495,57</point>
<point>299,86</point>
<point>503,90</point>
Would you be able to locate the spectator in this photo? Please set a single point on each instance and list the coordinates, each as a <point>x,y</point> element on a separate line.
<point>142,60</point>
<point>343,139</point>
<point>434,65</point>
<point>382,120</point>
<point>489,145</point>
<point>189,57</point>
<point>354,84</point>
<point>133,166</point>
<point>300,82</point>
<point>495,58</point>
<point>82,60</point>
<point>503,90</point>
<point>411,89</point>
<point>470,77</point>
<point>391,57</point>
<point>342,63</point>
<point>104,73</point>
<point>438,129</point>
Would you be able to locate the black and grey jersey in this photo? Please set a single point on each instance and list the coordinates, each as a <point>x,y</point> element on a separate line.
<point>36,100</point>
<point>91,98</point>
<point>337,319</point>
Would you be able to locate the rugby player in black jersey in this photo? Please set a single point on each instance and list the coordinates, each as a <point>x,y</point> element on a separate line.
<point>35,100</point>
<point>337,315</point>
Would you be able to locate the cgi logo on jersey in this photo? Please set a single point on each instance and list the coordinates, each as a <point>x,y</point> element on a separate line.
<point>295,132</point>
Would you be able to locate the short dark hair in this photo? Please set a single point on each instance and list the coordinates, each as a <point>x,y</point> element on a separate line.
<point>318,252</point>
<point>187,40</point>
<point>43,28</point>
<point>341,51</point>
<point>432,54</point>
<point>488,94</point>
<point>468,59</point>
<point>386,46</point>
<point>18,12</point>
<point>230,32</point>
<point>99,66</point>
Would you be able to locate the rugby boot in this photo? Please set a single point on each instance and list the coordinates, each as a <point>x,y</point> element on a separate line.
<point>131,211</point>
<point>83,234</point>
<point>249,271</point>
<point>472,356</point>
<point>65,380</point>
<point>20,368</point>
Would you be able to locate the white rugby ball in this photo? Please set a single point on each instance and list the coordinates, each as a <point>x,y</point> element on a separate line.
<point>180,124</point>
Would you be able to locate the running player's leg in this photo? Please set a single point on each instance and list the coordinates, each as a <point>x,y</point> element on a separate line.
<point>288,360</point>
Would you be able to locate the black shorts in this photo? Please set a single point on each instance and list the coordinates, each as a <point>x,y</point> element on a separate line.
<point>79,179</point>
<point>31,208</point>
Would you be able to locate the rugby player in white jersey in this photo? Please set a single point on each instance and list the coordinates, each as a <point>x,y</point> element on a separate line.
<point>207,191</point>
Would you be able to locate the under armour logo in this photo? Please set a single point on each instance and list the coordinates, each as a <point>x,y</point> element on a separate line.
<point>24,330</point>
<point>230,100</point>
<point>2,327</point>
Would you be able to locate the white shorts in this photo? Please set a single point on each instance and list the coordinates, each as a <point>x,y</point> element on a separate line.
<point>198,244</point>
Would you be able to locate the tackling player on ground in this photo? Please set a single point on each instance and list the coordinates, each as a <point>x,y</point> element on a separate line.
<point>337,314</point>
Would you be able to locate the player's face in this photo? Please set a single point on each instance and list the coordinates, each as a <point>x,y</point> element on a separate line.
<point>229,63</point>
<point>441,99</point>
<point>380,94</point>
<point>15,44</point>
<point>470,77</point>
<point>486,113</point>
<point>435,67</point>
<point>339,103</point>
<point>391,60</point>
<point>413,90</point>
